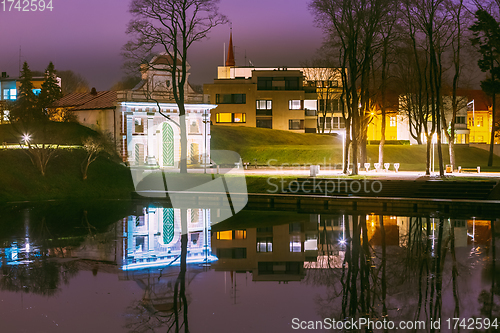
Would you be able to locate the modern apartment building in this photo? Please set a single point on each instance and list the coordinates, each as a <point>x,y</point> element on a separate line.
<point>295,99</point>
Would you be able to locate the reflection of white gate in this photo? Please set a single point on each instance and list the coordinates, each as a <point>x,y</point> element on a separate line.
<point>168,225</point>
<point>139,153</point>
<point>168,145</point>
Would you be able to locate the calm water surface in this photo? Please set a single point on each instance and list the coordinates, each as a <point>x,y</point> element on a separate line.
<point>132,267</point>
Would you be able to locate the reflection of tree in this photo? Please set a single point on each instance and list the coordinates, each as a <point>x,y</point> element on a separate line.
<point>376,277</point>
<point>489,308</point>
<point>162,305</point>
<point>41,277</point>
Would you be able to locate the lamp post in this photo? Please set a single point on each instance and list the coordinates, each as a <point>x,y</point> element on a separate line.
<point>343,134</point>
<point>26,138</point>
<point>473,121</point>
<point>434,139</point>
<point>205,121</point>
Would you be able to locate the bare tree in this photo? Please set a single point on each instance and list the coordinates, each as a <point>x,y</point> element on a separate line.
<point>459,22</point>
<point>171,26</point>
<point>352,26</point>
<point>323,75</point>
<point>93,148</point>
<point>39,153</point>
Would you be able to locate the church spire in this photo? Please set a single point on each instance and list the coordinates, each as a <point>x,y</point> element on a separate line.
<point>230,53</point>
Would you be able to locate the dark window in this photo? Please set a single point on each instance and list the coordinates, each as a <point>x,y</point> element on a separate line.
<point>265,123</point>
<point>235,253</point>
<point>328,123</point>
<point>295,227</point>
<point>291,83</point>
<point>265,229</point>
<point>230,99</point>
<point>295,124</point>
<point>460,120</point>
<point>338,122</point>
<point>266,267</point>
<point>264,83</point>
<point>335,105</point>
<point>293,267</point>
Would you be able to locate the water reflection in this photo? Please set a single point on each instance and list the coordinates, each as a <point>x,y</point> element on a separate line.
<point>370,266</point>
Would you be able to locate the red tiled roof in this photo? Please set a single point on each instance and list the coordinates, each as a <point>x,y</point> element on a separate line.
<point>482,102</point>
<point>87,101</point>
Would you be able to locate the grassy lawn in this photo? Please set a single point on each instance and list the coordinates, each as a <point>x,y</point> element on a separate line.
<point>20,180</point>
<point>276,147</point>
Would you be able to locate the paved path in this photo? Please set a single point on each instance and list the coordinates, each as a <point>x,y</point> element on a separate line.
<point>409,175</point>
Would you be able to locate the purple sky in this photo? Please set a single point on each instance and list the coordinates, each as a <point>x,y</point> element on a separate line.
<point>87,37</point>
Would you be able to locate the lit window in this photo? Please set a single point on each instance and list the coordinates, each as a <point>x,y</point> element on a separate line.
<point>264,104</point>
<point>13,94</point>
<point>239,117</point>
<point>479,121</point>
<point>194,127</point>
<point>240,234</point>
<point>225,235</point>
<point>6,115</point>
<point>264,244</point>
<point>224,117</point>
<point>295,244</point>
<point>139,126</point>
<point>230,118</point>
<point>37,91</point>
<point>392,121</point>
<point>295,104</point>
<point>6,94</point>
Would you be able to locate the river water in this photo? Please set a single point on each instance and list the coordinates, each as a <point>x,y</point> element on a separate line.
<point>118,266</point>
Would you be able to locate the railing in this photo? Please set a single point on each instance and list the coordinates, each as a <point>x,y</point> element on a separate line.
<point>162,97</point>
<point>310,113</point>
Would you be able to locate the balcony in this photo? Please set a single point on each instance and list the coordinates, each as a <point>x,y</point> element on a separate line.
<point>310,113</point>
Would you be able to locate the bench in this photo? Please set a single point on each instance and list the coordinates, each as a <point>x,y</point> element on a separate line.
<point>477,169</point>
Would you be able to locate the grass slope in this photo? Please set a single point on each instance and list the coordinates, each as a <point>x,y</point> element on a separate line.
<point>20,180</point>
<point>277,147</point>
<point>49,132</point>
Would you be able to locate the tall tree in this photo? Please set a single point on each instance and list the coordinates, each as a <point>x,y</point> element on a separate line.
<point>486,31</point>
<point>51,91</point>
<point>25,108</point>
<point>459,19</point>
<point>72,82</point>
<point>171,26</point>
<point>352,26</point>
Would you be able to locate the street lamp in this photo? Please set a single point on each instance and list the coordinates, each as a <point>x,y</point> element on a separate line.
<point>205,121</point>
<point>26,138</point>
<point>473,122</point>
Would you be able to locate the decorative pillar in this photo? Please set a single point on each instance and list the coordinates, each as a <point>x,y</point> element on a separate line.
<point>151,159</point>
<point>130,144</point>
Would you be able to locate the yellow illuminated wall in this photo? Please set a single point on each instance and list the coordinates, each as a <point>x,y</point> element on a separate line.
<point>391,127</point>
<point>479,124</point>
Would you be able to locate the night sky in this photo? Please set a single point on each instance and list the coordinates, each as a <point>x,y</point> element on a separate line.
<point>87,37</point>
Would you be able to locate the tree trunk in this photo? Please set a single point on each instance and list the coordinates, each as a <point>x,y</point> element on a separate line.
<point>183,161</point>
<point>428,156</point>
<point>382,140</point>
<point>347,143</point>
<point>492,142</point>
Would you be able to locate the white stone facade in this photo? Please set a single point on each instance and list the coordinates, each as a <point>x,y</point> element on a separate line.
<point>150,138</point>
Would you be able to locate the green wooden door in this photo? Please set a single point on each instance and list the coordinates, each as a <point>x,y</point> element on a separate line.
<point>168,145</point>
